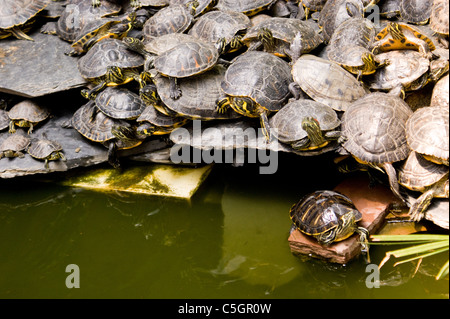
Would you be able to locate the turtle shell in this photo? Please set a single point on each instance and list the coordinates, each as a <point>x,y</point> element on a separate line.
<point>440,95</point>
<point>439,20</point>
<point>415,11</point>
<point>200,95</point>
<point>287,121</point>
<point>326,82</point>
<point>15,142</point>
<point>28,110</point>
<point>314,5</point>
<point>373,128</point>
<point>108,52</point>
<point>202,7</point>
<point>405,67</point>
<point>427,132</point>
<point>247,7</point>
<point>120,103</point>
<point>390,8</point>
<point>166,42</point>
<point>187,59</point>
<point>17,12</point>
<point>43,148</point>
<point>261,76</point>
<point>4,120</point>
<point>417,173</point>
<point>171,19</point>
<point>151,115</point>
<point>321,211</point>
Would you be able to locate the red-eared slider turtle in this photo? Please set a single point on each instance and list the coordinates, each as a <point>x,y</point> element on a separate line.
<point>26,114</point>
<point>401,36</point>
<point>171,19</point>
<point>415,11</point>
<point>373,131</point>
<point>201,96</point>
<point>335,12</point>
<point>47,150</point>
<point>120,103</point>
<point>312,5</point>
<point>407,71</point>
<point>390,8</point>
<point>154,122</point>
<point>277,34</point>
<point>329,217</point>
<point>227,27</point>
<point>16,17</point>
<point>306,125</point>
<point>256,84</point>
<point>112,133</point>
<point>419,174</point>
<point>326,82</point>
<point>247,7</point>
<point>439,20</point>
<point>440,96</point>
<point>427,133</point>
<point>109,63</point>
<point>14,145</point>
<point>202,7</point>
<point>349,47</point>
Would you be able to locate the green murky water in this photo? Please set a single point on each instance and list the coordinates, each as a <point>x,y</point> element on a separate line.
<point>230,241</point>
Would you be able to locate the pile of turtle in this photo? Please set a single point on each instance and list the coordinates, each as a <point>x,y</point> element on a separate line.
<point>362,78</point>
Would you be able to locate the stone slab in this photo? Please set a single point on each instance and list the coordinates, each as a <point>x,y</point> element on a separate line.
<point>373,204</point>
<point>39,67</point>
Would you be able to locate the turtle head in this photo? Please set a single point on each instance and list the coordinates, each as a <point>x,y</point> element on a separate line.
<point>438,68</point>
<point>395,31</point>
<point>244,105</point>
<point>145,129</point>
<point>149,95</point>
<point>311,126</point>
<point>134,44</point>
<point>347,225</point>
<point>370,64</point>
<point>114,74</point>
<point>266,38</point>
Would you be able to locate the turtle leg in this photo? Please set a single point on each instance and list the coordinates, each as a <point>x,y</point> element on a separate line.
<point>47,167</point>
<point>96,3</point>
<point>296,91</point>
<point>364,240</point>
<point>112,155</point>
<point>92,93</point>
<point>19,34</point>
<point>393,181</point>
<point>418,208</point>
<point>30,130</point>
<point>12,127</point>
<point>175,91</point>
<point>301,144</point>
<point>265,125</point>
<point>222,105</point>
<point>424,49</point>
<point>62,156</point>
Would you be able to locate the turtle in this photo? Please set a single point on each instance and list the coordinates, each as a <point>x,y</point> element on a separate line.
<point>14,145</point>
<point>256,83</point>
<point>201,96</point>
<point>277,35</point>
<point>325,82</point>
<point>419,174</point>
<point>398,36</point>
<point>306,125</point>
<point>312,6</point>
<point>427,133</point>
<point>335,12</point>
<point>226,26</point>
<point>440,95</point>
<point>47,150</point>
<point>350,45</point>
<point>415,11</point>
<point>153,122</point>
<point>202,7</point>
<point>99,3</point>
<point>120,103</point>
<point>373,132</point>
<point>328,216</point>
<point>17,17</point>
<point>112,133</point>
<point>439,20</point>
<point>390,8</point>
<point>109,63</point>
<point>171,19</point>
<point>247,7</point>
<point>27,113</point>
<point>407,71</point>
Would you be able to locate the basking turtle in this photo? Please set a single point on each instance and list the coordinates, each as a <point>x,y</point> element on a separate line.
<point>154,122</point>
<point>217,25</point>
<point>440,95</point>
<point>47,150</point>
<point>336,12</point>
<point>247,7</point>
<point>109,63</point>
<point>325,82</point>
<point>373,131</point>
<point>439,20</point>
<point>349,47</point>
<point>312,5</point>
<point>112,133</point>
<point>257,83</point>
<point>329,217</point>
<point>14,145</point>
<point>17,17</point>
<point>427,133</point>
<point>276,35</point>
<point>415,11</point>
<point>306,125</point>
<point>401,36</point>
<point>419,174</point>
<point>26,114</point>
<point>120,103</point>
<point>407,71</point>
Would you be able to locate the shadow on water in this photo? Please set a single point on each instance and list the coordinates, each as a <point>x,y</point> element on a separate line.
<point>229,241</point>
